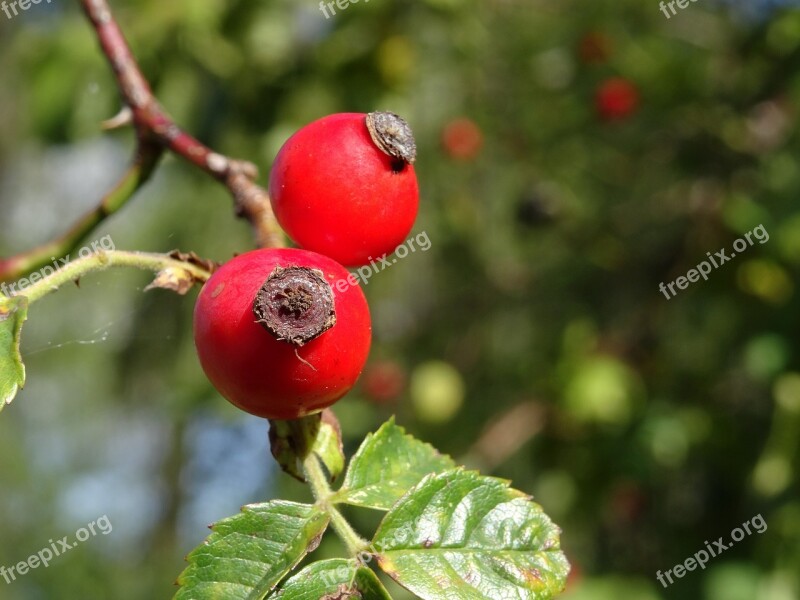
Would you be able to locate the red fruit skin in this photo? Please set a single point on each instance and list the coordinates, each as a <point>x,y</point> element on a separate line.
<point>260,374</point>
<point>334,192</point>
<point>616,98</point>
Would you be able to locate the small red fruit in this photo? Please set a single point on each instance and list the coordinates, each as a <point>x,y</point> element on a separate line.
<point>462,139</point>
<point>616,98</point>
<point>345,186</point>
<point>384,381</point>
<point>282,333</point>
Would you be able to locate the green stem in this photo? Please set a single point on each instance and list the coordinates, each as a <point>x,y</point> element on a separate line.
<point>135,177</point>
<point>318,480</point>
<point>102,260</point>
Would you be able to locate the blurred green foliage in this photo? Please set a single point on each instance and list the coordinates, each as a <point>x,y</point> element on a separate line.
<point>645,426</point>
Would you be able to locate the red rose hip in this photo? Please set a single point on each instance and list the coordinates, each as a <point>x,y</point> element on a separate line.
<point>282,333</point>
<point>616,99</point>
<point>345,186</point>
<point>462,139</point>
<point>384,381</point>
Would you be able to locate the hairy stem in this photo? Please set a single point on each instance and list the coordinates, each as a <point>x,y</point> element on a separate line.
<point>318,481</point>
<point>102,260</point>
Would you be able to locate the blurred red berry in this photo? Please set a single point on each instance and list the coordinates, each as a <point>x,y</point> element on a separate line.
<point>462,139</point>
<point>384,381</point>
<point>595,48</point>
<point>616,98</point>
<point>627,501</point>
<point>575,575</point>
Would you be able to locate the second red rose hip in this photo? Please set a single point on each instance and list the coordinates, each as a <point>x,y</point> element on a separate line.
<point>345,186</point>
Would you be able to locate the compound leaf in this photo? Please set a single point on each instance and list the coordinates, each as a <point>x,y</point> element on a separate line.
<point>462,536</point>
<point>13,313</point>
<point>336,579</point>
<point>248,554</point>
<point>388,464</point>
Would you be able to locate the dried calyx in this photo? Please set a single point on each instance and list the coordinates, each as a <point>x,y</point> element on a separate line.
<point>295,305</point>
<point>392,134</point>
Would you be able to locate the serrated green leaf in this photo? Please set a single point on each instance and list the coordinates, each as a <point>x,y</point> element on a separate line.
<point>337,579</point>
<point>389,463</point>
<point>13,313</point>
<point>462,536</point>
<point>248,554</point>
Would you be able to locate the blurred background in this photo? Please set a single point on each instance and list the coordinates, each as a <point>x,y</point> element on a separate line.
<point>573,156</point>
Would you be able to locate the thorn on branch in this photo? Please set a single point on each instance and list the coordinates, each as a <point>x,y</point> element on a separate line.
<point>122,119</point>
<point>152,122</point>
<point>156,132</point>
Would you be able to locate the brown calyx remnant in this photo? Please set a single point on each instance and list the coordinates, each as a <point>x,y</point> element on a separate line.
<point>295,305</point>
<point>393,136</point>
